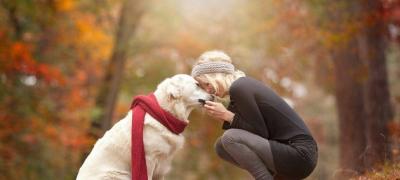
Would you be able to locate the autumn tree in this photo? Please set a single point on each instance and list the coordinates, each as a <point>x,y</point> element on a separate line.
<point>353,33</point>
<point>50,54</point>
<point>377,97</point>
<point>349,91</point>
<point>131,13</point>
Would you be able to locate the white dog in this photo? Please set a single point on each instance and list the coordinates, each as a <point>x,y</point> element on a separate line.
<point>111,156</point>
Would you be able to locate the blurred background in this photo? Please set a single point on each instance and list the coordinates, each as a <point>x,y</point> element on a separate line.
<point>69,70</point>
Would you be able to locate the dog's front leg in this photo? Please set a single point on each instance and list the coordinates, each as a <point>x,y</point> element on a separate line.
<point>162,168</point>
<point>151,166</point>
<point>158,177</point>
<point>156,167</point>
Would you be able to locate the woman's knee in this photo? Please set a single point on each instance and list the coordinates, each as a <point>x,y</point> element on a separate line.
<point>219,149</point>
<point>231,136</point>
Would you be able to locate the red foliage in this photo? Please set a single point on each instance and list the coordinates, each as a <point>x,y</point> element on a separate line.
<point>394,132</point>
<point>16,58</point>
<point>391,15</point>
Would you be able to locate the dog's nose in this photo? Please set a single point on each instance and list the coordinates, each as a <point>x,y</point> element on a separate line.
<point>212,98</point>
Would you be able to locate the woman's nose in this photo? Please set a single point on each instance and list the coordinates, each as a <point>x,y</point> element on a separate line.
<point>210,91</point>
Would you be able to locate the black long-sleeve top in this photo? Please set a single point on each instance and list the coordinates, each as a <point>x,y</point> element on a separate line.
<point>258,109</point>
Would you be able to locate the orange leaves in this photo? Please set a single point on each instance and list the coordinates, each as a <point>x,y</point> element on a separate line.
<point>93,38</point>
<point>394,132</point>
<point>332,38</point>
<point>16,58</point>
<point>7,126</point>
<point>189,44</point>
<point>50,132</point>
<point>394,129</point>
<point>29,139</point>
<point>50,74</point>
<point>64,5</point>
<point>52,116</point>
<point>75,97</point>
<point>73,137</point>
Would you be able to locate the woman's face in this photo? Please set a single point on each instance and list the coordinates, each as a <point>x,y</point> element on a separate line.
<point>209,88</point>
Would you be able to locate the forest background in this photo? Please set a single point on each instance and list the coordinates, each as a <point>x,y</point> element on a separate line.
<point>69,70</point>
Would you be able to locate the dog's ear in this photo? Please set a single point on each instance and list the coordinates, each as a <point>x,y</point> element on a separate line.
<point>174,90</point>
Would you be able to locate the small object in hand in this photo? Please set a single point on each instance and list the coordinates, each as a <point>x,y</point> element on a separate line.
<point>202,101</point>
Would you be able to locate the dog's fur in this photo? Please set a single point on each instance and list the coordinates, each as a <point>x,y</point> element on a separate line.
<point>111,156</point>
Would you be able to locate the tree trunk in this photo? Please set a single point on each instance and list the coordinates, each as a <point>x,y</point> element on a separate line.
<point>11,10</point>
<point>350,106</point>
<point>131,13</point>
<point>377,96</point>
<point>349,86</point>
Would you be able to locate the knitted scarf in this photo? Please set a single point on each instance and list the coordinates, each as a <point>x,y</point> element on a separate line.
<point>140,106</point>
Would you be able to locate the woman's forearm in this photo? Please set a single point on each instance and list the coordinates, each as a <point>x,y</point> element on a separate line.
<point>228,116</point>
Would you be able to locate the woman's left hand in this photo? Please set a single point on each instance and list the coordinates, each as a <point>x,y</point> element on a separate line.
<point>218,111</point>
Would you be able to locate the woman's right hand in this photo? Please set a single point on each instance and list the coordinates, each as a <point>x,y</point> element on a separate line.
<point>218,111</point>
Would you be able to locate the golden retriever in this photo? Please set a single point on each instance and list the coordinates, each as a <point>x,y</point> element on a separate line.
<point>110,157</point>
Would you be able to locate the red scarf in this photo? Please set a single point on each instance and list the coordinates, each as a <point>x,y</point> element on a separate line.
<point>140,106</point>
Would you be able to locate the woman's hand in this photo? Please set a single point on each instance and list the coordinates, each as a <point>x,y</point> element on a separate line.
<point>218,111</point>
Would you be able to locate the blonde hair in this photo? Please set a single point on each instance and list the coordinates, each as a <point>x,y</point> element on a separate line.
<point>217,80</point>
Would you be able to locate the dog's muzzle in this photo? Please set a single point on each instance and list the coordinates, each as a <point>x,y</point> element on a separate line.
<point>203,101</point>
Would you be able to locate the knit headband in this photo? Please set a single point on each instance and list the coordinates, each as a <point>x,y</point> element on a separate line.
<point>213,67</point>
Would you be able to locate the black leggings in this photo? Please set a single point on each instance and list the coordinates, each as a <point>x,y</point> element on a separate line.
<point>248,151</point>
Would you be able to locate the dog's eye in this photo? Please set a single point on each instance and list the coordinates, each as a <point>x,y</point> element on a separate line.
<point>197,84</point>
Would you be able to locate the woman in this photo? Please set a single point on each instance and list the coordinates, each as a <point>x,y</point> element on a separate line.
<point>264,135</point>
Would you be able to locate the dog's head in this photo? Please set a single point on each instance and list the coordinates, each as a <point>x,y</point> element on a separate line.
<point>180,94</point>
<point>186,89</point>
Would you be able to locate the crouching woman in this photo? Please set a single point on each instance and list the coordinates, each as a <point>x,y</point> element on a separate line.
<point>263,134</point>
